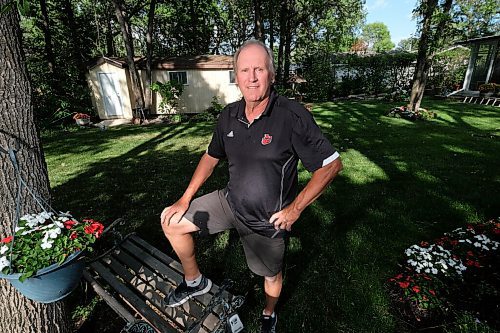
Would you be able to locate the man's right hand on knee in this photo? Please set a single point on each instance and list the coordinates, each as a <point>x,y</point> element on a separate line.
<point>174,213</point>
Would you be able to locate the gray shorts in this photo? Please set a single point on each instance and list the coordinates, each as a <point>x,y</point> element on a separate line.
<point>212,214</point>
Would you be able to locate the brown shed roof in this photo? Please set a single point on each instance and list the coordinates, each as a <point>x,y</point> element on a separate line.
<point>196,62</point>
<point>193,62</point>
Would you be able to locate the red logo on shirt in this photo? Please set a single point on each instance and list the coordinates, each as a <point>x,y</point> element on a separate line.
<point>266,139</point>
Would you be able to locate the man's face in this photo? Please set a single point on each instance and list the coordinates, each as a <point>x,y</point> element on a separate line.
<point>252,75</point>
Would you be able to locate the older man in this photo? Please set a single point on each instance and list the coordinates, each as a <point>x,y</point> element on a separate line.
<point>262,136</point>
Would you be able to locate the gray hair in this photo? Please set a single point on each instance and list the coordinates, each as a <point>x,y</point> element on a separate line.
<point>270,61</point>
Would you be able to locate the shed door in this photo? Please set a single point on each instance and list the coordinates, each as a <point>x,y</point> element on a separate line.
<point>110,89</point>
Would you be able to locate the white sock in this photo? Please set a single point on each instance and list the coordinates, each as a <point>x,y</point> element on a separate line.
<point>272,315</point>
<point>194,283</point>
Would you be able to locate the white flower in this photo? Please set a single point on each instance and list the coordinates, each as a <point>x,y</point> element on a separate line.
<point>434,271</point>
<point>4,263</point>
<point>46,245</point>
<point>53,233</point>
<point>3,249</point>
<point>59,224</point>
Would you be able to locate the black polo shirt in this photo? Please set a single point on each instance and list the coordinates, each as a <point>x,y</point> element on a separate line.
<point>263,157</point>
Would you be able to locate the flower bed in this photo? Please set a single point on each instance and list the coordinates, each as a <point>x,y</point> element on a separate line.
<point>456,273</point>
<point>44,239</point>
<point>405,113</point>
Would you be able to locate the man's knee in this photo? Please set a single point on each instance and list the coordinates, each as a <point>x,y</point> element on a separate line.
<point>181,228</point>
<point>273,279</point>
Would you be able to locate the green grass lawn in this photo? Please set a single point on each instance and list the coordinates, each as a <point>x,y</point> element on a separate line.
<point>402,182</point>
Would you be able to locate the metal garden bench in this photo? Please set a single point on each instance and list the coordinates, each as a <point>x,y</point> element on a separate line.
<point>134,277</point>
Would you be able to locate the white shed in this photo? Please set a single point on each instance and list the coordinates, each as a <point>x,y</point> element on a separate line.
<point>203,77</point>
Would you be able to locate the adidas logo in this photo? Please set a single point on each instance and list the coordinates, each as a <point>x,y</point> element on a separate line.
<point>230,134</point>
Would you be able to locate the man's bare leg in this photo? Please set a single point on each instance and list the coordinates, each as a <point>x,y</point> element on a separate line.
<point>179,236</point>
<point>272,288</point>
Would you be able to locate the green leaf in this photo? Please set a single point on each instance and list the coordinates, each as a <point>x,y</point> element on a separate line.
<point>6,7</point>
<point>23,6</point>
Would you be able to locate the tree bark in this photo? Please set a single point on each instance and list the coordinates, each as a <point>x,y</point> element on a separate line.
<point>271,25</point>
<point>283,17</point>
<point>425,48</point>
<point>68,18</point>
<point>194,26</point>
<point>288,46</point>
<point>47,35</point>
<point>149,53</point>
<point>110,45</point>
<point>258,31</point>
<point>17,313</point>
<point>121,15</point>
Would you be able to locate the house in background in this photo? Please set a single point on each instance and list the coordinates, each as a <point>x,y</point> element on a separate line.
<point>203,78</point>
<point>484,64</point>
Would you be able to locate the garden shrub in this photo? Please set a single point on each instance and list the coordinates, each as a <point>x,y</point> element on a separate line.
<point>170,92</point>
<point>345,74</point>
<point>215,107</point>
<point>447,71</point>
<point>374,74</point>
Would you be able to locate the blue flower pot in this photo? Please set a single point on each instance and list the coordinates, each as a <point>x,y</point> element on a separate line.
<point>52,283</point>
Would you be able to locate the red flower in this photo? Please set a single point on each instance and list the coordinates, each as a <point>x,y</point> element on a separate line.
<point>404,284</point>
<point>69,224</point>
<point>470,254</point>
<point>454,242</point>
<point>416,289</point>
<point>399,276</point>
<point>496,231</point>
<point>424,244</point>
<point>433,293</point>
<point>7,240</point>
<point>73,235</point>
<point>474,263</point>
<point>94,228</point>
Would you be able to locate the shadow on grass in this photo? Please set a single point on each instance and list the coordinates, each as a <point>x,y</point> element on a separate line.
<point>416,180</point>
<point>403,182</point>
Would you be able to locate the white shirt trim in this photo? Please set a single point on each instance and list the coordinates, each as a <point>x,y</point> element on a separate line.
<point>330,159</point>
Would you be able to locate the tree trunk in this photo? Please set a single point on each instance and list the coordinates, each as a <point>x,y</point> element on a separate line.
<point>68,18</point>
<point>17,313</point>
<point>149,54</point>
<point>283,17</point>
<point>110,45</point>
<point>194,26</point>
<point>425,48</point>
<point>121,15</point>
<point>289,31</point>
<point>258,30</point>
<point>271,25</point>
<point>47,35</point>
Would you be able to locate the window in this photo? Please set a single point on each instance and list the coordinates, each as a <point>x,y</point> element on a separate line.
<point>180,77</point>
<point>232,78</point>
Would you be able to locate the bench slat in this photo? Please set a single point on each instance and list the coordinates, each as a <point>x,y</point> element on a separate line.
<point>108,298</point>
<point>204,299</point>
<point>152,262</point>
<point>142,275</point>
<point>190,307</point>
<point>159,254</point>
<point>156,283</point>
<point>138,304</point>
